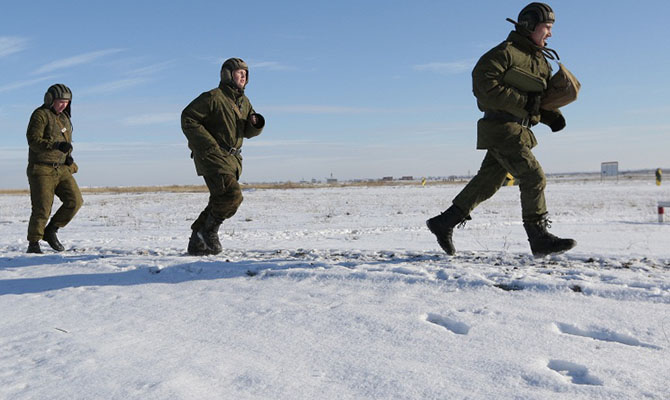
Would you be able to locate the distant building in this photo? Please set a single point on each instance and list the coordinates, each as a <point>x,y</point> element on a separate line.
<point>331,180</point>
<point>609,169</point>
<point>387,178</point>
<point>407,178</point>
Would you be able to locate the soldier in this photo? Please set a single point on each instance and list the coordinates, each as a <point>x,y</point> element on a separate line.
<point>508,81</point>
<point>50,168</point>
<point>215,124</point>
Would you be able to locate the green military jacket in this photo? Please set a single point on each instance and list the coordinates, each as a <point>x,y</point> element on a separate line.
<point>495,95</point>
<point>45,130</point>
<point>215,122</point>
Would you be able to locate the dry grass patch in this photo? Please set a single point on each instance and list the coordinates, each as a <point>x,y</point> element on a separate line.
<point>270,185</point>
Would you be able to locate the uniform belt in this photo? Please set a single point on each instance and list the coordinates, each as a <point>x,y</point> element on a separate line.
<point>231,151</point>
<point>506,117</point>
<point>51,164</point>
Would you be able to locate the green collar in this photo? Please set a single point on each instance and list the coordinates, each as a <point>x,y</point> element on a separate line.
<point>233,93</point>
<point>523,42</point>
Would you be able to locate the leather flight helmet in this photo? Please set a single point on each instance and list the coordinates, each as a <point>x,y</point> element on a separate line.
<point>533,14</point>
<point>58,92</point>
<point>231,65</point>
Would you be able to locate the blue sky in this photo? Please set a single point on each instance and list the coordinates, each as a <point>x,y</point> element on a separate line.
<point>356,89</point>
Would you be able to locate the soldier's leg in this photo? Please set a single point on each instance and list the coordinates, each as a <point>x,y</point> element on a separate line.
<point>69,194</point>
<point>532,183</point>
<point>42,181</point>
<point>485,184</point>
<point>200,221</point>
<point>489,179</point>
<point>523,165</point>
<point>197,245</point>
<point>225,195</point>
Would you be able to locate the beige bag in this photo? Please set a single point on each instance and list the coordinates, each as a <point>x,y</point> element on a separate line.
<point>562,89</point>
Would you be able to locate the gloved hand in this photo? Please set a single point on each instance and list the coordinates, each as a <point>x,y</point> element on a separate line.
<point>533,103</point>
<point>63,146</point>
<point>257,120</point>
<point>69,160</point>
<point>558,124</point>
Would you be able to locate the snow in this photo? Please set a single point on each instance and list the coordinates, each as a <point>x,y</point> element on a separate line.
<point>340,293</point>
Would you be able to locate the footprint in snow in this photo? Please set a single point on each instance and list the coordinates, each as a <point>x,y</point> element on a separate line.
<point>449,324</point>
<point>577,373</point>
<point>603,334</point>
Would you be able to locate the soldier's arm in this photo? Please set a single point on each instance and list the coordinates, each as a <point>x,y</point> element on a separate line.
<point>192,118</point>
<point>488,86</point>
<point>35,134</point>
<point>251,129</point>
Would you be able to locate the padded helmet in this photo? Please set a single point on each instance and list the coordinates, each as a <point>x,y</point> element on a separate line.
<point>231,65</point>
<point>56,92</point>
<point>533,14</point>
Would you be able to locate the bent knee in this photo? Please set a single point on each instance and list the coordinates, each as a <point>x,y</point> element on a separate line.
<point>74,203</point>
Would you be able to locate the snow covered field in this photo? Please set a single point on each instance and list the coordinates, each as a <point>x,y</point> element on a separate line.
<point>340,293</point>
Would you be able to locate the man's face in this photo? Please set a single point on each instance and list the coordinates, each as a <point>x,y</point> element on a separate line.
<point>541,33</point>
<point>59,105</point>
<point>240,78</point>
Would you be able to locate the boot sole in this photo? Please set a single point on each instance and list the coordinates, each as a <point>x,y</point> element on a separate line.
<point>540,255</point>
<point>446,249</point>
<point>56,248</point>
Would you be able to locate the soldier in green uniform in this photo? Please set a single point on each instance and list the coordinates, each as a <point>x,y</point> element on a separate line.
<point>215,124</point>
<point>50,168</point>
<point>508,82</point>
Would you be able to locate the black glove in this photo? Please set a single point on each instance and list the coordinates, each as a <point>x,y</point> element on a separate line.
<point>558,124</point>
<point>69,160</point>
<point>260,121</point>
<point>63,146</point>
<point>533,103</point>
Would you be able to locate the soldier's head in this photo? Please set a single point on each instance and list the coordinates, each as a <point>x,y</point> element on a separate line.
<point>535,21</point>
<point>58,97</point>
<point>235,73</point>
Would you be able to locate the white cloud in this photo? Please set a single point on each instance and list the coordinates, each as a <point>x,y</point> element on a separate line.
<point>20,84</point>
<point>114,86</point>
<point>11,44</point>
<point>270,65</point>
<point>455,67</point>
<point>76,60</point>
<point>151,119</point>
<point>151,69</point>
<point>320,109</point>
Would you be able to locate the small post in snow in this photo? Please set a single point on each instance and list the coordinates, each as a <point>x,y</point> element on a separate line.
<point>661,209</point>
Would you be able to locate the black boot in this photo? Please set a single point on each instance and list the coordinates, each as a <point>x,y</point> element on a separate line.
<point>34,247</point>
<point>443,225</point>
<point>51,238</point>
<point>210,234</point>
<point>543,243</point>
<point>197,245</point>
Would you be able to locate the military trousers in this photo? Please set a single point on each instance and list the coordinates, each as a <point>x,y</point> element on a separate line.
<point>225,197</point>
<point>522,164</point>
<point>47,181</point>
